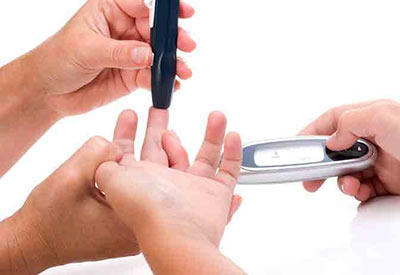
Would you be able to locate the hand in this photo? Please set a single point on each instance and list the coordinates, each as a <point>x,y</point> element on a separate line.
<point>378,122</point>
<point>103,53</point>
<point>65,219</point>
<point>195,197</point>
<point>177,214</point>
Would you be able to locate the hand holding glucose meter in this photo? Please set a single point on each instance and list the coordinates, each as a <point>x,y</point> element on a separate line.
<point>302,159</point>
<point>163,19</point>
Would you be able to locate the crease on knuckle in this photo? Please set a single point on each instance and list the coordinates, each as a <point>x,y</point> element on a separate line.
<point>100,146</point>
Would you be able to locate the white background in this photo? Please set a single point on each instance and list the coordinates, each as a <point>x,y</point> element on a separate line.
<point>272,67</point>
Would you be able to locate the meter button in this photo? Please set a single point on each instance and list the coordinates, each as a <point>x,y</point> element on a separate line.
<point>358,150</point>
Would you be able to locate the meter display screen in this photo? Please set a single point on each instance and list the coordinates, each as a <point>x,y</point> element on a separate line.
<point>288,154</point>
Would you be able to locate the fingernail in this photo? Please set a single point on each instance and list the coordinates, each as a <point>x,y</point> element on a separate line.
<point>343,188</point>
<point>330,140</point>
<point>142,55</point>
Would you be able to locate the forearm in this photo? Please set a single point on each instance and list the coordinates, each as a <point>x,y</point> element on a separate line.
<point>24,117</point>
<point>21,251</point>
<point>169,252</point>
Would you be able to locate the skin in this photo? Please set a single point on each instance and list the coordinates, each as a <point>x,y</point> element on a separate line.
<point>66,218</point>
<point>184,210</point>
<point>376,121</point>
<point>102,54</point>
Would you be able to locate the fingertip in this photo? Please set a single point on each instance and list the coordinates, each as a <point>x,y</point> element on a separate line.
<point>217,119</point>
<point>186,10</point>
<point>235,206</point>
<point>177,85</point>
<point>331,143</point>
<point>104,174</point>
<point>128,114</point>
<point>339,142</point>
<point>169,137</point>
<point>233,142</point>
<point>364,193</point>
<point>239,199</point>
<point>178,157</point>
<point>349,185</point>
<point>142,56</point>
<point>183,70</point>
<point>126,126</point>
<point>312,186</point>
<point>185,41</point>
<point>216,127</point>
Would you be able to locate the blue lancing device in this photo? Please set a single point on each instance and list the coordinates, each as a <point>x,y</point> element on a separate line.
<point>164,15</point>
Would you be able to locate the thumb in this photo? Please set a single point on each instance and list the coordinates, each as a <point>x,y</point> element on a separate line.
<point>80,169</point>
<point>111,53</point>
<point>235,205</point>
<point>352,125</point>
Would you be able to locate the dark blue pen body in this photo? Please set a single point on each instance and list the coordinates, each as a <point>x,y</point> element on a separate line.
<point>164,39</point>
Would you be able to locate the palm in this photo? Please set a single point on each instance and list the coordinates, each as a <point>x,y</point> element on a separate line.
<point>162,149</point>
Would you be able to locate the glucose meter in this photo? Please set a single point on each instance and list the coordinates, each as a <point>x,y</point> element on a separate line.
<point>302,159</point>
<point>163,19</point>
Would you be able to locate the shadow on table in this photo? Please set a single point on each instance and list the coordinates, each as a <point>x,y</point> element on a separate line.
<point>375,237</point>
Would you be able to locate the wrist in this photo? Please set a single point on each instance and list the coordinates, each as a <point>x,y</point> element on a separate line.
<point>22,250</point>
<point>169,252</point>
<point>21,87</point>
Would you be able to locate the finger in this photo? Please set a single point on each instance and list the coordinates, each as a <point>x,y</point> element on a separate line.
<point>134,8</point>
<point>313,186</point>
<point>143,80</point>
<point>125,131</point>
<point>185,42</point>
<point>377,122</point>
<point>379,187</point>
<point>178,85</point>
<point>152,148</point>
<point>363,193</point>
<point>349,185</point>
<point>231,160</point>
<point>177,155</point>
<point>185,10</point>
<point>137,8</point>
<point>110,53</point>
<point>106,176</point>
<point>235,205</point>
<point>183,70</point>
<point>328,122</point>
<point>349,129</point>
<point>80,169</point>
<point>207,159</point>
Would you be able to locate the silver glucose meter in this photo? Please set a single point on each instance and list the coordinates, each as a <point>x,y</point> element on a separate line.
<point>302,159</point>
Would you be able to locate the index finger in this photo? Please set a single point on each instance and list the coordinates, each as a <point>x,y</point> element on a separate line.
<point>138,8</point>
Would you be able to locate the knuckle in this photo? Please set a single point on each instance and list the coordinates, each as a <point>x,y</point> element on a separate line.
<point>116,53</point>
<point>386,101</point>
<point>345,119</point>
<point>382,111</point>
<point>71,176</point>
<point>99,145</point>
